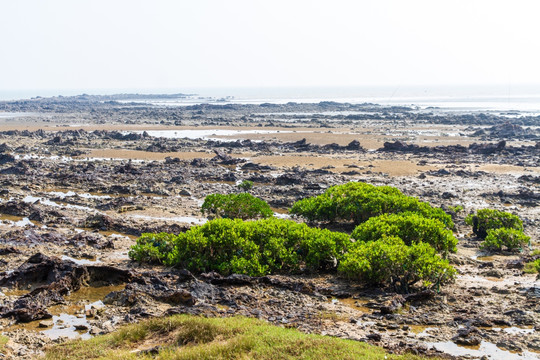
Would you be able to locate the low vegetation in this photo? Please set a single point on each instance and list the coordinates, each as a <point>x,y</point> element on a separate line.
<point>505,239</point>
<point>245,247</point>
<point>357,202</point>
<point>388,261</point>
<point>398,255</point>
<point>184,337</point>
<point>236,206</point>
<point>395,245</point>
<point>500,230</point>
<point>3,342</point>
<point>245,185</point>
<point>411,228</point>
<point>491,219</point>
<point>532,267</point>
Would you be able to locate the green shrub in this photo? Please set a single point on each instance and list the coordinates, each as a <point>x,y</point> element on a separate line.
<point>236,206</point>
<point>253,247</point>
<point>510,239</point>
<point>245,185</point>
<point>412,228</point>
<point>152,248</point>
<point>490,219</point>
<point>456,209</point>
<point>388,261</point>
<point>358,202</point>
<point>532,267</point>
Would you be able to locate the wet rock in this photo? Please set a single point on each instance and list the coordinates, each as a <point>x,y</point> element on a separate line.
<point>493,273</point>
<point>134,292</point>
<point>392,305</point>
<point>184,192</point>
<point>374,337</point>
<point>289,179</point>
<point>45,323</point>
<point>226,159</point>
<point>467,336</point>
<point>354,145</point>
<point>9,250</point>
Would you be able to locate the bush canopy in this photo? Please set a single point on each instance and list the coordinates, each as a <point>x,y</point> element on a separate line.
<point>357,202</point>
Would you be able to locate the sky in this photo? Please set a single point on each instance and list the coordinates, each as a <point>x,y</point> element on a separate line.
<point>179,44</point>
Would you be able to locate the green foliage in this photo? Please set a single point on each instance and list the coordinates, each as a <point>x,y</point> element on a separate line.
<point>510,239</point>
<point>358,202</point>
<point>236,206</point>
<point>245,185</point>
<point>253,248</point>
<point>491,219</point>
<point>532,267</point>
<point>152,248</point>
<point>388,261</point>
<point>456,209</point>
<point>412,228</point>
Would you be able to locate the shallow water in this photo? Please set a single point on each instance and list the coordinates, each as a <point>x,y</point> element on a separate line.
<point>44,201</point>
<point>208,134</point>
<point>356,304</point>
<point>80,261</point>
<point>16,220</point>
<point>485,348</point>
<point>182,219</point>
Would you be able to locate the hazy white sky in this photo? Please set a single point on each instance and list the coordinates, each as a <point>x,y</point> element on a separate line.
<point>80,44</point>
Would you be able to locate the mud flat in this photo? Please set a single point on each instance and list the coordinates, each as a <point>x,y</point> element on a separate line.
<point>81,179</point>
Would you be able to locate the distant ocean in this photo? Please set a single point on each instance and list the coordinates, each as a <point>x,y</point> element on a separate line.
<point>524,98</point>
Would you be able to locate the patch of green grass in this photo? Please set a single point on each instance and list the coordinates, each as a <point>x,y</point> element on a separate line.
<point>3,341</point>
<point>191,337</point>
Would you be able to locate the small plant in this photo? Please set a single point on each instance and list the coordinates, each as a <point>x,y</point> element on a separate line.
<point>388,261</point>
<point>490,219</point>
<point>236,206</point>
<point>411,228</point>
<point>245,185</point>
<point>455,209</point>
<point>532,267</point>
<point>510,239</point>
<point>152,248</point>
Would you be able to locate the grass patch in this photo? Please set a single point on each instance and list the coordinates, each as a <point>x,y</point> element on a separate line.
<point>3,342</point>
<point>192,337</point>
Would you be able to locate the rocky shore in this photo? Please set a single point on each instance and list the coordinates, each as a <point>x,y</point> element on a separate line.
<point>82,177</point>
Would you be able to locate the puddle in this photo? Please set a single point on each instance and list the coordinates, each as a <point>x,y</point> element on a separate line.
<point>66,326</point>
<point>16,220</point>
<point>513,330</point>
<point>80,261</point>
<point>484,349</point>
<point>32,199</point>
<point>356,304</point>
<point>106,233</point>
<point>70,320</point>
<point>206,134</point>
<point>282,216</point>
<point>69,193</point>
<point>93,294</point>
<point>485,258</point>
<point>421,330</point>
<point>281,213</point>
<point>182,219</point>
